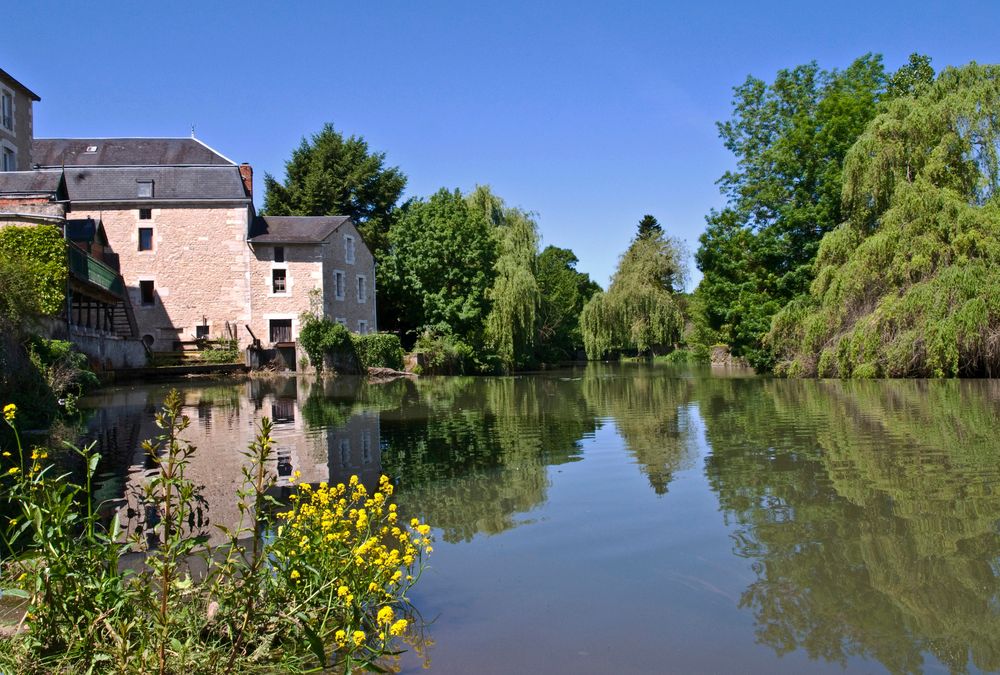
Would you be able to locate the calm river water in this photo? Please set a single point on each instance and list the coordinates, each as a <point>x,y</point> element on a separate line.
<point>644,519</point>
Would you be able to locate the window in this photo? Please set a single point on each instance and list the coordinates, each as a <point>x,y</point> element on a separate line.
<point>362,289</point>
<point>278,281</point>
<point>145,214</point>
<point>342,321</point>
<point>144,189</point>
<point>281,330</point>
<point>362,327</point>
<point>7,110</point>
<point>338,284</point>
<point>201,332</point>
<point>283,410</point>
<point>9,161</point>
<point>279,254</point>
<point>348,249</point>
<point>146,292</point>
<point>145,239</point>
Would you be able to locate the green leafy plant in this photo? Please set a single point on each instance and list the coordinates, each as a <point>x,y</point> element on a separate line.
<point>378,350</point>
<point>322,587</point>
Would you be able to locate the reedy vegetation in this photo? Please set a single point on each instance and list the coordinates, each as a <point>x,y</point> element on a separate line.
<point>323,585</point>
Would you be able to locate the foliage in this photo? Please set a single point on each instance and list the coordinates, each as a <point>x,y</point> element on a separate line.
<point>378,350</point>
<point>697,354</point>
<point>32,273</point>
<point>649,227</point>
<point>329,175</point>
<point>510,325</point>
<point>322,337</point>
<point>639,311</point>
<point>790,138</point>
<point>221,351</point>
<point>326,588</point>
<point>440,265</point>
<point>445,353</point>
<point>907,286</point>
<point>563,292</point>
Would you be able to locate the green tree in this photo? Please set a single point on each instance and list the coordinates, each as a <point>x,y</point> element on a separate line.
<point>440,265</point>
<point>514,296</point>
<point>649,227</point>
<point>907,286</point>
<point>790,138</point>
<point>331,175</point>
<point>563,292</point>
<point>639,311</point>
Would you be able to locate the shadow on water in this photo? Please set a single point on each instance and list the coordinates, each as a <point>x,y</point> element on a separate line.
<point>867,511</point>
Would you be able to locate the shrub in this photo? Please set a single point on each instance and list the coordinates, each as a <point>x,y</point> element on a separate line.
<point>221,351</point>
<point>445,354</point>
<point>321,337</point>
<point>320,587</point>
<point>378,350</point>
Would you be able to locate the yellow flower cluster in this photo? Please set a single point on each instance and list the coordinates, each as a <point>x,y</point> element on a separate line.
<point>9,412</point>
<point>343,538</point>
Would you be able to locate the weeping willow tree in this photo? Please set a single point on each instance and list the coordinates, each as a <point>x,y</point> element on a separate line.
<point>510,325</point>
<point>639,311</point>
<point>909,285</point>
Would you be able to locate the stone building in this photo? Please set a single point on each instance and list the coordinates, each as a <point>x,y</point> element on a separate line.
<point>179,225</point>
<point>300,264</point>
<point>16,120</point>
<point>196,259</point>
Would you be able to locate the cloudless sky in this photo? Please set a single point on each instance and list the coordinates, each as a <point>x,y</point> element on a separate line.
<point>589,114</point>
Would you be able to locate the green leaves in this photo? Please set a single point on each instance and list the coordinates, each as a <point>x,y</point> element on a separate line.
<point>906,286</point>
<point>790,138</point>
<point>639,311</point>
<point>329,175</point>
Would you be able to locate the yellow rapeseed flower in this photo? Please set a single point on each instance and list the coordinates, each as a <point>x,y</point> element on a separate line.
<point>399,627</point>
<point>9,412</point>
<point>295,574</point>
<point>342,591</point>
<point>341,637</point>
<point>359,637</point>
<point>386,615</point>
<point>13,470</point>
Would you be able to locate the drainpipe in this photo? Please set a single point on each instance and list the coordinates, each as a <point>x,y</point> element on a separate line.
<point>374,295</point>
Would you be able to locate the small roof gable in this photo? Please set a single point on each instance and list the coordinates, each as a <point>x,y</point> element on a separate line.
<point>294,229</point>
<point>53,152</point>
<point>117,184</point>
<point>7,77</point>
<point>31,183</point>
<point>86,230</point>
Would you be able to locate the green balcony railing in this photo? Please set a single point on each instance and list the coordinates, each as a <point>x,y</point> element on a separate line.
<point>84,267</point>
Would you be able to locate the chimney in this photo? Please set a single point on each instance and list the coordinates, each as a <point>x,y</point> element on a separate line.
<point>246,173</point>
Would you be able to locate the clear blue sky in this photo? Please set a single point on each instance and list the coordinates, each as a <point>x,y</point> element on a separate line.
<point>589,114</point>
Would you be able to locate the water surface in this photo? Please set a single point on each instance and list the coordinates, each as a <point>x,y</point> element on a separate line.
<point>643,518</point>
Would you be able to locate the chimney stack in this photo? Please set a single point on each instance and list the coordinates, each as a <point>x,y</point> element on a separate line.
<point>246,173</point>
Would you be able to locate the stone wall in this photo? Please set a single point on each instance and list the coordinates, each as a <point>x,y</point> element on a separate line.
<point>20,138</point>
<point>348,308</point>
<point>198,264</point>
<point>106,353</point>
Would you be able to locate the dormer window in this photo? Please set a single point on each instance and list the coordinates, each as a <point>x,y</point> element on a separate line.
<point>279,254</point>
<point>144,189</point>
<point>91,149</point>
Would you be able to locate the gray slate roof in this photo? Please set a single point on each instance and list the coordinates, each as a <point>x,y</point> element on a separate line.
<point>294,229</point>
<point>53,152</point>
<point>23,183</point>
<point>116,184</point>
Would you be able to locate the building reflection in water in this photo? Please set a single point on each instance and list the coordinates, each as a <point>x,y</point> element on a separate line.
<point>224,420</point>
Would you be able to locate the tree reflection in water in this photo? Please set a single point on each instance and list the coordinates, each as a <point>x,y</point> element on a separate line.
<point>870,510</point>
